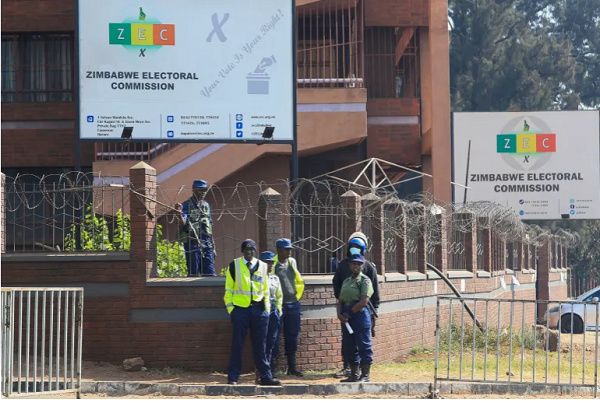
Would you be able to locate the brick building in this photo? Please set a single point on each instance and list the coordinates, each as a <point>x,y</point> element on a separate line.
<point>370,73</point>
<point>377,86</point>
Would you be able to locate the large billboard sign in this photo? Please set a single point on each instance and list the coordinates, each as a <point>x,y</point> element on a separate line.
<point>185,70</point>
<point>545,165</point>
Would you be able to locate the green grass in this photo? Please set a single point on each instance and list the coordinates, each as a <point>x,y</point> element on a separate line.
<point>419,366</point>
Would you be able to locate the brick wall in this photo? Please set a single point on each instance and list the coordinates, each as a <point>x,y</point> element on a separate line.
<point>393,107</point>
<point>110,335</point>
<point>38,16</point>
<point>54,147</point>
<point>396,13</point>
<point>400,144</point>
<point>131,314</point>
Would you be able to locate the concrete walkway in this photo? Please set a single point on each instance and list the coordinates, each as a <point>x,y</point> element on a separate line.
<point>405,389</point>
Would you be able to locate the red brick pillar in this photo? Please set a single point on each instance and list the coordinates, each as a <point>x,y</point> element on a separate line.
<point>441,250</point>
<point>421,243</point>
<point>372,208</point>
<point>351,209</point>
<point>142,179</point>
<point>486,234</point>
<point>502,253</point>
<point>543,277</point>
<point>401,256</point>
<point>2,213</point>
<point>520,254</point>
<point>468,219</point>
<point>393,208</point>
<point>270,224</point>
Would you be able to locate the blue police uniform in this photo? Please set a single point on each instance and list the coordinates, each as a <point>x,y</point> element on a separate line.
<point>246,299</point>
<point>276,300</point>
<point>357,347</point>
<point>199,257</point>
<point>292,286</point>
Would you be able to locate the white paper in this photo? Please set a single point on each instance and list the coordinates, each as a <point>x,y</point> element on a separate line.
<point>349,328</point>
<point>435,287</point>
<point>463,285</point>
<point>503,283</point>
<point>515,281</point>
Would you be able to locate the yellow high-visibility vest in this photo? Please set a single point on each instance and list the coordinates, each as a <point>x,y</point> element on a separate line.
<point>242,289</point>
<point>298,281</point>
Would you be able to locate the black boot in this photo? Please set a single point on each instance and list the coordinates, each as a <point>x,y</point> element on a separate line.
<point>344,372</point>
<point>292,370</point>
<point>274,367</point>
<point>365,370</point>
<point>353,374</point>
<point>269,382</point>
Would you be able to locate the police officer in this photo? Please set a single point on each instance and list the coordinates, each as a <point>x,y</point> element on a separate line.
<point>292,285</point>
<point>247,301</point>
<point>354,314</point>
<point>276,301</point>
<point>357,245</point>
<point>196,232</point>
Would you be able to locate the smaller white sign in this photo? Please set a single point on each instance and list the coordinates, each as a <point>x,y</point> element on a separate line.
<point>502,283</point>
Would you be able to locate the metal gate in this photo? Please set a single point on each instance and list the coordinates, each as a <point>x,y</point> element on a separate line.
<point>41,340</point>
<point>510,341</point>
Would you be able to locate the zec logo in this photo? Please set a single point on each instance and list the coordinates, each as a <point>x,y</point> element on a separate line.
<point>141,33</point>
<point>526,143</point>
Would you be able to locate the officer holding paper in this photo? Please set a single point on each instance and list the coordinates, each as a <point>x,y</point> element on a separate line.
<point>355,317</point>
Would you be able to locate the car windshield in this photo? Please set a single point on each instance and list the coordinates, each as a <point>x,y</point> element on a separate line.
<point>590,294</point>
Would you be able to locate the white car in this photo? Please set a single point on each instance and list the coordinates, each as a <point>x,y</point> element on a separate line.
<point>576,311</point>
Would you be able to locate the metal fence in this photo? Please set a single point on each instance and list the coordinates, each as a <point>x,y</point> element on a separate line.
<point>42,332</point>
<point>65,212</point>
<point>77,211</point>
<point>508,341</point>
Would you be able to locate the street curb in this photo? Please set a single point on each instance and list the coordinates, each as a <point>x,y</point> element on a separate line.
<point>396,388</point>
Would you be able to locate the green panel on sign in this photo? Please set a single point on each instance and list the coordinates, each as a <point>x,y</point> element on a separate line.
<point>119,34</point>
<point>506,143</point>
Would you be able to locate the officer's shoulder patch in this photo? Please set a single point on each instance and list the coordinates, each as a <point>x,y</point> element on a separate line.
<point>365,278</point>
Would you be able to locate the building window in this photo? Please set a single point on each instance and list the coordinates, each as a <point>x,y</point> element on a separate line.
<point>392,62</point>
<point>330,44</point>
<point>37,68</point>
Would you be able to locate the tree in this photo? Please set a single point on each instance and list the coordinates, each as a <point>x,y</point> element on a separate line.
<point>585,256</point>
<point>509,55</point>
<point>579,20</point>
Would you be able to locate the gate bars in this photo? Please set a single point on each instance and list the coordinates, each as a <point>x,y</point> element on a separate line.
<point>513,345</point>
<point>41,340</point>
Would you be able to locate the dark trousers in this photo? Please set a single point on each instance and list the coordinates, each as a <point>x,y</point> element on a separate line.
<point>357,347</point>
<point>199,261</point>
<point>256,319</point>
<point>291,329</point>
<point>273,332</point>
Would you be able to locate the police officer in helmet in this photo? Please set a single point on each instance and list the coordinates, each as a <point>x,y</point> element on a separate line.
<point>196,232</point>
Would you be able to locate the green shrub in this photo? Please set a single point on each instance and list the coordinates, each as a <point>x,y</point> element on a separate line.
<point>170,257</point>
<point>94,235</point>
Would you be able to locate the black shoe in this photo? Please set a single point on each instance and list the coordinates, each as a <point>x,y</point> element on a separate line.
<point>353,374</point>
<point>365,370</point>
<point>269,382</point>
<point>292,370</point>
<point>344,373</point>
